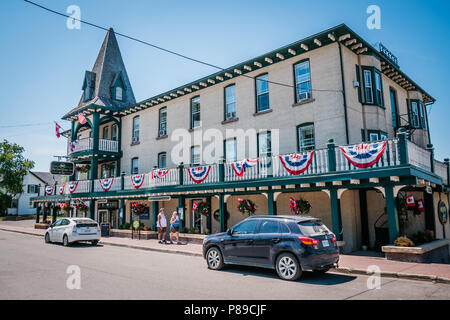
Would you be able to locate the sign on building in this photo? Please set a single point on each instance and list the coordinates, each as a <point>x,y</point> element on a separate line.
<point>62,168</point>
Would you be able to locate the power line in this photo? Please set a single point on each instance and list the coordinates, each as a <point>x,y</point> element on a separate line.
<point>164,49</point>
<point>26,125</point>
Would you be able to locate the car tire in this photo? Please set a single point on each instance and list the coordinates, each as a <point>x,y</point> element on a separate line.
<point>47,238</point>
<point>94,242</point>
<point>287,267</point>
<point>214,259</point>
<point>66,242</point>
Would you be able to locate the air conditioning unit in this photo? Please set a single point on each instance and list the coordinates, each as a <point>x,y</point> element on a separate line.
<point>304,96</point>
<point>231,115</point>
<point>134,139</point>
<point>162,133</point>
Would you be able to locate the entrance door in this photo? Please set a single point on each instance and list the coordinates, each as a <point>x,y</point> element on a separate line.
<point>103,216</point>
<point>196,217</point>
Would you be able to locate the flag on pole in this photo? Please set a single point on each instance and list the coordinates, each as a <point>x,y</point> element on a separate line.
<point>81,118</point>
<point>194,206</point>
<point>410,201</point>
<point>57,128</point>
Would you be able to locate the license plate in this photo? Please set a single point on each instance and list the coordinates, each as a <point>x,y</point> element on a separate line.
<point>325,243</point>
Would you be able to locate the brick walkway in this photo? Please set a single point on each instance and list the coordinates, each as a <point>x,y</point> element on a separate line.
<point>352,264</point>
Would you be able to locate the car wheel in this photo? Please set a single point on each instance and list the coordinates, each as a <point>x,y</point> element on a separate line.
<point>66,241</point>
<point>214,259</point>
<point>47,238</point>
<point>288,267</point>
<point>94,242</point>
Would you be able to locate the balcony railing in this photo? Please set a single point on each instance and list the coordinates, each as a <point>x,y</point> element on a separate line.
<point>87,144</point>
<point>382,154</point>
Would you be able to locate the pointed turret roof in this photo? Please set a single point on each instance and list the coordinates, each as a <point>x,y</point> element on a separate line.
<point>108,68</point>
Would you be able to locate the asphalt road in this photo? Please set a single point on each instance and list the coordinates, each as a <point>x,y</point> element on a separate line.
<point>31,269</point>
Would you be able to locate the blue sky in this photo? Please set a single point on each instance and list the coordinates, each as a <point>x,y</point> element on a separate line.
<point>43,62</point>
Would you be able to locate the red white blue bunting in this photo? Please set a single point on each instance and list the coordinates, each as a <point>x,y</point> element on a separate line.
<point>239,167</point>
<point>296,163</point>
<point>49,190</point>
<point>73,186</point>
<point>61,189</point>
<point>364,155</point>
<point>137,180</point>
<point>159,173</point>
<point>106,183</point>
<point>199,174</point>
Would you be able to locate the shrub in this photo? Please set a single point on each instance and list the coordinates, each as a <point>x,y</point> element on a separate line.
<point>403,242</point>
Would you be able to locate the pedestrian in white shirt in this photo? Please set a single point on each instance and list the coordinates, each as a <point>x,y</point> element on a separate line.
<point>162,226</point>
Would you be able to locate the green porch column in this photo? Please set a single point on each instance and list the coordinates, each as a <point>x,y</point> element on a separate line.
<point>38,211</point>
<point>271,204</point>
<point>391,209</point>
<point>208,218</point>
<point>331,155</point>
<point>44,215</point>
<point>92,209</point>
<point>402,146</point>
<point>335,214</point>
<point>430,148</point>
<point>182,204</point>
<point>54,213</point>
<point>124,211</point>
<point>155,209</point>
<point>222,212</point>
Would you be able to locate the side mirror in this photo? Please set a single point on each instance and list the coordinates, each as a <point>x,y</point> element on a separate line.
<point>230,232</point>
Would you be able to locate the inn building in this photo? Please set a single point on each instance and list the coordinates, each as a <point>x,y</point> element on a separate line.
<point>301,107</point>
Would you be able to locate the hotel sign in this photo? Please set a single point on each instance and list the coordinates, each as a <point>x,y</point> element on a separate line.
<point>62,168</point>
<point>388,55</point>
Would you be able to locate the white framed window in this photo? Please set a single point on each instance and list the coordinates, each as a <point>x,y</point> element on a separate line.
<point>162,160</point>
<point>262,93</point>
<point>135,166</point>
<point>135,133</point>
<point>373,136</point>
<point>162,122</point>
<point>114,132</point>
<point>368,86</point>
<point>264,143</point>
<point>306,137</point>
<point>302,81</point>
<point>230,150</point>
<point>195,112</point>
<point>414,114</point>
<point>106,132</point>
<point>230,102</point>
<point>195,155</point>
<point>119,93</point>
<point>378,88</point>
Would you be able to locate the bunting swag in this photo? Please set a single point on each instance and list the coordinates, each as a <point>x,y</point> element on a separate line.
<point>239,167</point>
<point>364,155</point>
<point>296,163</point>
<point>106,183</point>
<point>61,189</point>
<point>199,174</point>
<point>49,190</point>
<point>159,173</point>
<point>137,180</point>
<point>73,186</point>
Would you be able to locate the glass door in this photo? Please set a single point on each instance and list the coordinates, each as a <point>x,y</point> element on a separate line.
<point>196,217</point>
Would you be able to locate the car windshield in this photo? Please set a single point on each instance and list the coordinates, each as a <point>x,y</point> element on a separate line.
<point>86,223</point>
<point>313,228</point>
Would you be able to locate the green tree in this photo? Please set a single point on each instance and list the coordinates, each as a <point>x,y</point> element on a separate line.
<point>13,168</point>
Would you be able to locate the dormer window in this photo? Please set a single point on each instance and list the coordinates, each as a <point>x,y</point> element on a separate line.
<point>118,88</point>
<point>87,94</point>
<point>119,92</point>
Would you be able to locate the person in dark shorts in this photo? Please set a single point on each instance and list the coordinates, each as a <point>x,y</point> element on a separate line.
<point>162,226</point>
<point>175,227</point>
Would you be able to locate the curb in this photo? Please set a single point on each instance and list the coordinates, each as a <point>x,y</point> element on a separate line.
<point>343,270</point>
<point>396,275</point>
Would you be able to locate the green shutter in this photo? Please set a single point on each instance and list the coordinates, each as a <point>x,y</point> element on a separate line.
<point>358,78</point>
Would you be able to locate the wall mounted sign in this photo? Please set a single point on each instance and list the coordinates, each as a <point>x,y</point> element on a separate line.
<point>62,168</point>
<point>159,198</point>
<point>442,212</point>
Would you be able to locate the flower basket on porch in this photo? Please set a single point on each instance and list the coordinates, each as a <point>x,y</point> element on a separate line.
<point>83,169</point>
<point>202,208</point>
<point>64,206</point>
<point>137,209</point>
<point>246,207</point>
<point>81,207</point>
<point>300,206</point>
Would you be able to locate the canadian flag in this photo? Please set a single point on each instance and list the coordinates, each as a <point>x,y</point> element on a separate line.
<point>81,118</point>
<point>194,206</point>
<point>57,128</point>
<point>410,201</point>
<point>420,205</point>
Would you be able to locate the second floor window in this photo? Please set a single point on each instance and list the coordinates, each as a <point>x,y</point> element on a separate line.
<point>135,133</point>
<point>302,81</point>
<point>195,155</point>
<point>422,110</point>
<point>114,132</point>
<point>230,102</point>
<point>394,108</point>
<point>262,93</point>
<point>368,86</point>
<point>306,140</point>
<point>162,122</point>
<point>135,166</point>
<point>195,112</point>
<point>264,144</point>
<point>162,160</point>
<point>105,132</point>
<point>378,89</point>
<point>230,150</point>
<point>414,114</point>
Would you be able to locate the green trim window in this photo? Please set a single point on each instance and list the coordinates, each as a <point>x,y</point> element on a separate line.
<point>305,137</point>
<point>264,144</point>
<point>230,147</point>
<point>377,135</point>
<point>373,86</point>
<point>135,133</point>
<point>195,155</point>
<point>162,160</point>
<point>162,131</point>
<point>422,115</point>
<point>418,114</point>
<point>394,108</point>
<point>135,165</point>
<point>108,170</point>
<point>302,81</point>
<point>262,93</point>
<point>105,133</point>
<point>230,102</point>
<point>358,79</point>
<point>114,132</point>
<point>119,94</point>
<point>195,112</point>
<point>415,114</point>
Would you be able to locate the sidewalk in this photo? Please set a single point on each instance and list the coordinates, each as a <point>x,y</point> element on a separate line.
<point>349,264</point>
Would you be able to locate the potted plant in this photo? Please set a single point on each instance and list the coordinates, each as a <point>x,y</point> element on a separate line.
<point>246,207</point>
<point>300,206</point>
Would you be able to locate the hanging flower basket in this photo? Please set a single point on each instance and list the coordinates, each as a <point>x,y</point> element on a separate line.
<point>246,207</point>
<point>64,206</point>
<point>137,208</point>
<point>300,206</point>
<point>83,169</point>
<point>81,206</point>
<point>202,208</point>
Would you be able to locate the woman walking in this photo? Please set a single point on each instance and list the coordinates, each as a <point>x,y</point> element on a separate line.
<point>175,227</point>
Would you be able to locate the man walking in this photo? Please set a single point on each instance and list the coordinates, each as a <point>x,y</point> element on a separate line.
<point>162,225</point>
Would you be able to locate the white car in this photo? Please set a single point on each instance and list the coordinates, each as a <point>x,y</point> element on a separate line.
<point>70,230</point>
